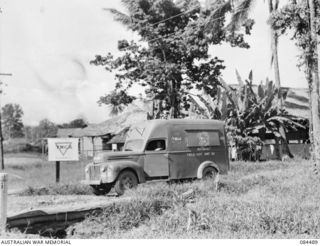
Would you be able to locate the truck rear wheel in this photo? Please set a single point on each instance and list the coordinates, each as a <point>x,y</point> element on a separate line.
<point>210,173</point>
<point>102,189</point>
<point>126,180</point>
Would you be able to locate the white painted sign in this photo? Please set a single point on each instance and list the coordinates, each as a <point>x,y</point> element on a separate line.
<point>63,149</point>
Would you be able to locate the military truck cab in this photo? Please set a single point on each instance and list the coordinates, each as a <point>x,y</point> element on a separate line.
<point>162,150</point>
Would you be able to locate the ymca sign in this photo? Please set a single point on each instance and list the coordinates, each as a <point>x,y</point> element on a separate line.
<point>63,149</point>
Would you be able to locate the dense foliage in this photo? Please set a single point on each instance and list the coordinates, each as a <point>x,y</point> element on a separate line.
<point>293,18</point>
<point>302,19</point>
<point>172,56</point>
<point>77,123</point>
<point>12,121</point>
<point>45,129</point>
<point>250,112</point>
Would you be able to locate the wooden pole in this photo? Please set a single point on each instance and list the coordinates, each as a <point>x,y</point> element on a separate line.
<point>1,143</point>
<point>1,136</point>
<point>3,201</point>
<point>57,171</point>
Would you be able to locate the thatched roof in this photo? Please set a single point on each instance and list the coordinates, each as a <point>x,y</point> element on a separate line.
<point>120,137</point>
<point>113,125</point>
<point>67,132</point>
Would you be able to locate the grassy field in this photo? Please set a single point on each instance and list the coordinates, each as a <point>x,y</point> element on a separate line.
<point>33,171</point>
<point>255,200</point>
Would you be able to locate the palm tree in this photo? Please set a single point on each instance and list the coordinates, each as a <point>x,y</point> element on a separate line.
<point>273,6</point>
<point>241,10</point>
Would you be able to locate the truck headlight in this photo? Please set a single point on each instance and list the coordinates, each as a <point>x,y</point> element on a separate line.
<point>103,169</point>
<point>98,158</point>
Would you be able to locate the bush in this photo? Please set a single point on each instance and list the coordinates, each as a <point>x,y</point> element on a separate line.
<point>18,145</point>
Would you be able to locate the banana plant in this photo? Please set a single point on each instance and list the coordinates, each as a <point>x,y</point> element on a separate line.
<point>210,108</point>
<point>249,112</point>
<point>256,112</point>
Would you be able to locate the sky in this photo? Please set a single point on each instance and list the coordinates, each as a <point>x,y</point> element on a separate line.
<point>47,45</point>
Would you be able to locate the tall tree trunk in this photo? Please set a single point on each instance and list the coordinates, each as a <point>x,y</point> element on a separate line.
<point>275,60</point>
<point>315,85</point>
<point>309,79</point>
<point>274,46</point>
<point>275,63</point>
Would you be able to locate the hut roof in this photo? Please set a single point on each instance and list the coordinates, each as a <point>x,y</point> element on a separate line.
<point>297,102</point>
<point>113,125</point>
<point>120,137</point>
<point>67,132</point>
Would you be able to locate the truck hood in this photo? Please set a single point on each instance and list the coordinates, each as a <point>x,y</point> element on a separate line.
<point>123,155</point>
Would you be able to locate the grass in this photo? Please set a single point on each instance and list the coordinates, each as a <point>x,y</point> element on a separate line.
<point>34,172</point>
<point>255,200</point>
<point>57,189</point>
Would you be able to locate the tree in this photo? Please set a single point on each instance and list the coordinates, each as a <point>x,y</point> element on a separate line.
<point>301,17</point>
<point>117,100</point>
<point>46,129</point>
<point>12,121</point>
<point>315,82</point>
<point>273,6</point>
<point>173,56</point>
<point>77,123</point>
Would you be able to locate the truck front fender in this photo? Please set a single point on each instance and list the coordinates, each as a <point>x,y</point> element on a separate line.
<point>204,165</point>
<point>113,169</point>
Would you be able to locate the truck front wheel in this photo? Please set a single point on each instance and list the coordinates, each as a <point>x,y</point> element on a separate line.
<point>102,189</point>
<point>126,180</point>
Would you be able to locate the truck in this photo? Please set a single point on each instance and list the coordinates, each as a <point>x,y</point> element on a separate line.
<point>174,149</point>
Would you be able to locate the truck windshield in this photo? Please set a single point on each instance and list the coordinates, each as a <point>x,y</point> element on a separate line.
<point>133,145</point>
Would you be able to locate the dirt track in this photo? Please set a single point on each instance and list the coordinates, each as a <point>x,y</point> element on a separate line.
<point>19,204</point>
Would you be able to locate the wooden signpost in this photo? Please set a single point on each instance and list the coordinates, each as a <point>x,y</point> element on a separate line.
<point>62,149</point>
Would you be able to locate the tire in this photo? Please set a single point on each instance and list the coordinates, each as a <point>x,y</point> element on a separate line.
<point>126,180</point>
<point>101,190</point>
<point>209,173</point>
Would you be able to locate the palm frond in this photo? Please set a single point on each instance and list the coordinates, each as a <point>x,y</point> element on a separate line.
<point>119,16</point>
<point>229,92</point>
<point>240,81</point>
<point>276,5</point>
<point>240,14</point>
<point>208,106</point>
<point>116,110</point>
<point>198,107</point>
<point>217,13</point>
<point>284,120</point>
<point>261,93</point>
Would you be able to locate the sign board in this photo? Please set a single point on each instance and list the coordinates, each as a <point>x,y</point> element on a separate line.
<point>63,149</point>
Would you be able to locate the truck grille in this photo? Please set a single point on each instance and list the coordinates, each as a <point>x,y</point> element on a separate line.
<point>94,173</point>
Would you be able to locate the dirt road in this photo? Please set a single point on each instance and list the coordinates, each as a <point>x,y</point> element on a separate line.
<point>19,204</point>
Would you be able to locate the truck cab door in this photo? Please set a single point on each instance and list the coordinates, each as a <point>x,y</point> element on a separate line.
<point>156,162</point>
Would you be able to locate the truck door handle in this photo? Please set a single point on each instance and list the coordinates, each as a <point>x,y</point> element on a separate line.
<point>166,155</point>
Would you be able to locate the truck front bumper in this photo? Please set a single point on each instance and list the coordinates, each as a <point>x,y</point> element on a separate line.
<point>90,182</point>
